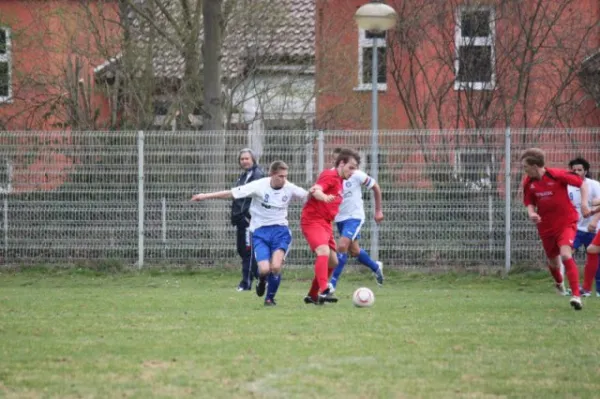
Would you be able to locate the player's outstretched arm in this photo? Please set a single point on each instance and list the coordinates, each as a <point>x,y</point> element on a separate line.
<point>217,194</point>
<point>378,210</point>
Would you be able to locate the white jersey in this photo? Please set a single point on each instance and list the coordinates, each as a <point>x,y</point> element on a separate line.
<point>352,206</point>
<point>269,206</point>
<point>575,196</point>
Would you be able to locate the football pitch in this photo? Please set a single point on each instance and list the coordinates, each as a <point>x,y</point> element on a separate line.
<point>154,334</point>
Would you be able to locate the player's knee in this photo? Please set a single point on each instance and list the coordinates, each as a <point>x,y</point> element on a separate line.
<point>276,269</point>
<point>565,255</point>
<point>354,252</point>
<point>263,268</point>
<point>344,245</point>
<point>322,250</point>
<point>593,249</point>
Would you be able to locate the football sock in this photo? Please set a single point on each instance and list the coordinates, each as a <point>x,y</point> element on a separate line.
<point>273,285</point>
<point>572,275</point>
<point>342,259</point>
<point>589,272</point>
<point>321,272</point>
<point>365,259</point>
<point>556,274</point>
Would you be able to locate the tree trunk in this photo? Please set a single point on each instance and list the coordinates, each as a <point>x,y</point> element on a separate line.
<point>213,18</point>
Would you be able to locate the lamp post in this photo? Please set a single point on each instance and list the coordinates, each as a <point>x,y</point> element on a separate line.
<point>375,16</point>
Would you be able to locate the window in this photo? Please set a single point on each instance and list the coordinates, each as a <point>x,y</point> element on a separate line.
<point>474,168</point>
<point>5,65</point>
<point>475,53</point>
<point>365,59</point>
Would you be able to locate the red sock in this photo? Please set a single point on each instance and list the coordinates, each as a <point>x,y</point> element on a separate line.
<point>314,289</point>
<point>321,272</point>
<point>556,274</point>
<point>572,275</point>
<point>589,272</point>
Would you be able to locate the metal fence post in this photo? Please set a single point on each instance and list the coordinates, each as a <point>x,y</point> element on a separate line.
<point>140,145</point>
<point>321,141</point>
<point>5,227</point>
<point>163,216</point>
<point>507,200</point>
<point>309,157</point>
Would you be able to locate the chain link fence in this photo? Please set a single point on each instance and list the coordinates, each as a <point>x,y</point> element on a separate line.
<point>72,196</point>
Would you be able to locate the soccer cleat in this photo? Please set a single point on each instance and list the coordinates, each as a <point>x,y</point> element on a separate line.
<point>327,296</point>
<point>586,294</point>
<point>261,286</point>
<point>598,294</point>
<point>241,289</point>
<point>331,288</point>
<point>379,274</point>
<point>309,300</point>
<point>576,303</point>
<point>270,302</point>
<point>560,289</point>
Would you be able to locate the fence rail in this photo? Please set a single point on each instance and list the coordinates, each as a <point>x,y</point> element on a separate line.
<point>70,196</point>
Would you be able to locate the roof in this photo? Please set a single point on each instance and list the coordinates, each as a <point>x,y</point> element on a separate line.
<point>259,32</point>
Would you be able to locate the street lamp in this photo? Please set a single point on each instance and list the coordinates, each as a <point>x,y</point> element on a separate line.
<point>375,16</point>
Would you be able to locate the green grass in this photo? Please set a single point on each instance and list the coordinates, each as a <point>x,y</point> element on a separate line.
<point>79,334</point>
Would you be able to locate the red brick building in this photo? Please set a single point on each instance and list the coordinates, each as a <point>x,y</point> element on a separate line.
<point>448,64</point>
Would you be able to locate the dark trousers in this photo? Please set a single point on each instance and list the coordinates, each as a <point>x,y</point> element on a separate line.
<point>244,248</point>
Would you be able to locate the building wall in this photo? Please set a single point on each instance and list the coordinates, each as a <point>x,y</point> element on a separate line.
<point>532,89</point>
<point>54,46</point>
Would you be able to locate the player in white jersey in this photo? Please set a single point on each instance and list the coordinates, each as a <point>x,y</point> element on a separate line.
<point>350,219</point>
<point>271,236</point>
<point>586,227</point>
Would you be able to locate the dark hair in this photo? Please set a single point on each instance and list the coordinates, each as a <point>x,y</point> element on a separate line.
<point>337,150</point>
<point>345,155</point>
<point>277,166</point>
<point>534,156</point>
<point>249,151</point>
<point>581,161</point>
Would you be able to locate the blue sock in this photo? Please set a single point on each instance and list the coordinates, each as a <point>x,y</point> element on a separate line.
<point>273,285</point>
<point>365,259</point>
<point>342,259</point>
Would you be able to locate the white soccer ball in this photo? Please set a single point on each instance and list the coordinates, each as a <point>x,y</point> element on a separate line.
<point>363,297</point>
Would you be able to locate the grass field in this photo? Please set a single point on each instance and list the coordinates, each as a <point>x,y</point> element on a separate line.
<point>78,334</point>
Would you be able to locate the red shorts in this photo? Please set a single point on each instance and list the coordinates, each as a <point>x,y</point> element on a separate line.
<point>553,242</point>
<point>318,233</point>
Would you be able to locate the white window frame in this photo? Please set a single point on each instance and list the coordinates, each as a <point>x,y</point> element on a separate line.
<point>363,43</point>
<point>460,41</point>
<point>459,169</point>
<point>8,59</point>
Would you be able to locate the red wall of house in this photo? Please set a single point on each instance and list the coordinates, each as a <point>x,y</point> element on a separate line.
<point>340,106</point>
<point>46,37</point>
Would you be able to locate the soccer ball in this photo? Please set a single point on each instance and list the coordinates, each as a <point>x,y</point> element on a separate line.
<point>363,297</point>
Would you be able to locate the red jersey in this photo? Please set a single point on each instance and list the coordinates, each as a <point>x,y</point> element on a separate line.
<point>551,198</point>
<point>323,211</point>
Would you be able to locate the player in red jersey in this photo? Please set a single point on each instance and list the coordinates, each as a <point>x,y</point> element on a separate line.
<point>546,197</point>
<point>317,218</point>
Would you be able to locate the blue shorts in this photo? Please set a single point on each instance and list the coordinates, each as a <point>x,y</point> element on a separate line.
<point>350,228</point>
<point>268,239</point>
<point>583,238</point>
